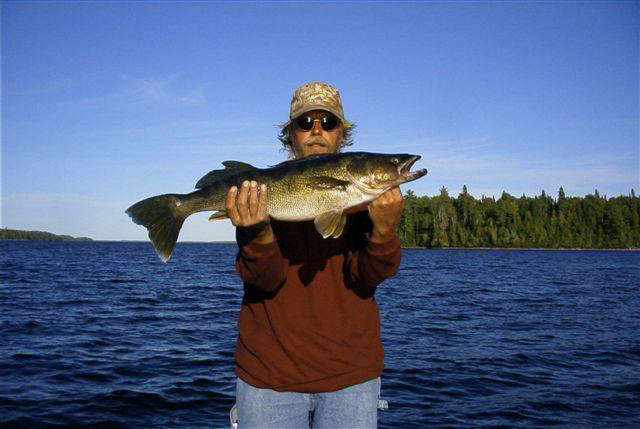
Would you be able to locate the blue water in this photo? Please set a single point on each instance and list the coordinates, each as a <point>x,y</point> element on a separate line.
<point>103,334</point>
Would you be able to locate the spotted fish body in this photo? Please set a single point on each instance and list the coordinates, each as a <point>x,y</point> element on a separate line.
<point>319,187</point>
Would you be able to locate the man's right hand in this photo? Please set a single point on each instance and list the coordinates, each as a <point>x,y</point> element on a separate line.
<point>247,209</point>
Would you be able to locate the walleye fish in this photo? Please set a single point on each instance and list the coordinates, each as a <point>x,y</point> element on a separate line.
<point>319,187</point>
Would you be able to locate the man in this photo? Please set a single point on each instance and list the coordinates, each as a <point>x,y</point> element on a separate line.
<point>308,352</point>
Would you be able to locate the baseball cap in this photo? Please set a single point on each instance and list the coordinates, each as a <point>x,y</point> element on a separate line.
<point>315,96</point>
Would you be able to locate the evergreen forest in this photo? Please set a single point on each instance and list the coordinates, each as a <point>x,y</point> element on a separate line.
<point>590,222</point>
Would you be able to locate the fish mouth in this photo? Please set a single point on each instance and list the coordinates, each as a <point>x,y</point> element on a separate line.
<point>404,169</point>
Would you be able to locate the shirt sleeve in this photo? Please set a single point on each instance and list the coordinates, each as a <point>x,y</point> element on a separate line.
<point>374,263</point>
<point>261,265</point>
<point>368,264</point>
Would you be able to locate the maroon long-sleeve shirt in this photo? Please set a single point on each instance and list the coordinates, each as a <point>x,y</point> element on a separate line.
<point>309,321</point>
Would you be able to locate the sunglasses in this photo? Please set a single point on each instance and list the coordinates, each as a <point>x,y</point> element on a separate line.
<point>327,123</point>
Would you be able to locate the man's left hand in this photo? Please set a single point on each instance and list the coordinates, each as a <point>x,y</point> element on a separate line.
<point>385,213</point>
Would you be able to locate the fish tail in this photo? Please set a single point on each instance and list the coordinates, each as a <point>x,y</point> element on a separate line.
<point>163,216</point>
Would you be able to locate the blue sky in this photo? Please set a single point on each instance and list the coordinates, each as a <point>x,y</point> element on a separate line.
<point>106,103</point>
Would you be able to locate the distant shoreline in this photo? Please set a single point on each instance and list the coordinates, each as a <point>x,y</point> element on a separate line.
<point>414,247</point>
<point>20,235</point>
<point>560,249</point>
<point>178,242</point>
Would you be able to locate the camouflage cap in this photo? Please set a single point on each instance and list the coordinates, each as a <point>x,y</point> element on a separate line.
<point>315,96</point>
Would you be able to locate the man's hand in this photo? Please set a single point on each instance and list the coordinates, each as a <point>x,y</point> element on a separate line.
<point>248,211</point>
<point>385,213</point>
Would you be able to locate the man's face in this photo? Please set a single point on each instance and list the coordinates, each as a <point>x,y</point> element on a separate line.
<point>317,139</point>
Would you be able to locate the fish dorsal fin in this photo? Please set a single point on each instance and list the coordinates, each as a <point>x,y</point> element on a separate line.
<point>307,159</point>
<point>323,183</point>
<point>330,223</point>
<point>231,167</point>
<point>236,165</point>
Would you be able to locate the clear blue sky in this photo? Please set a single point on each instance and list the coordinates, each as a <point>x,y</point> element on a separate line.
<point>106,103</point>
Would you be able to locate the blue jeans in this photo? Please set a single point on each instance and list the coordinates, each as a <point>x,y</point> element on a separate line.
<point>352,407</point>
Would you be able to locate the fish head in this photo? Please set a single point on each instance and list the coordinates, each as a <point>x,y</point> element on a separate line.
<point>375,173</point>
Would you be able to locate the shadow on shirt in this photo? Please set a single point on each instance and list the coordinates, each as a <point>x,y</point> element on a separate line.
<point>305,249</point>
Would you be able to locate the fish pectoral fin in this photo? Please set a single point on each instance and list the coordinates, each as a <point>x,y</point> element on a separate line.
<point>330,223</point>
<point>323,183</point>
<point>337,232</point>
<point>219,215</point>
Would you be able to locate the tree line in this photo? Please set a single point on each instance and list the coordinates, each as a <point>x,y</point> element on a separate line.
<point>16,234</point>
<point>590,222</point>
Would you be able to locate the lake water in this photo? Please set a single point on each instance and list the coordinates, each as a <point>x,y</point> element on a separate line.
<point>102,334</point>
